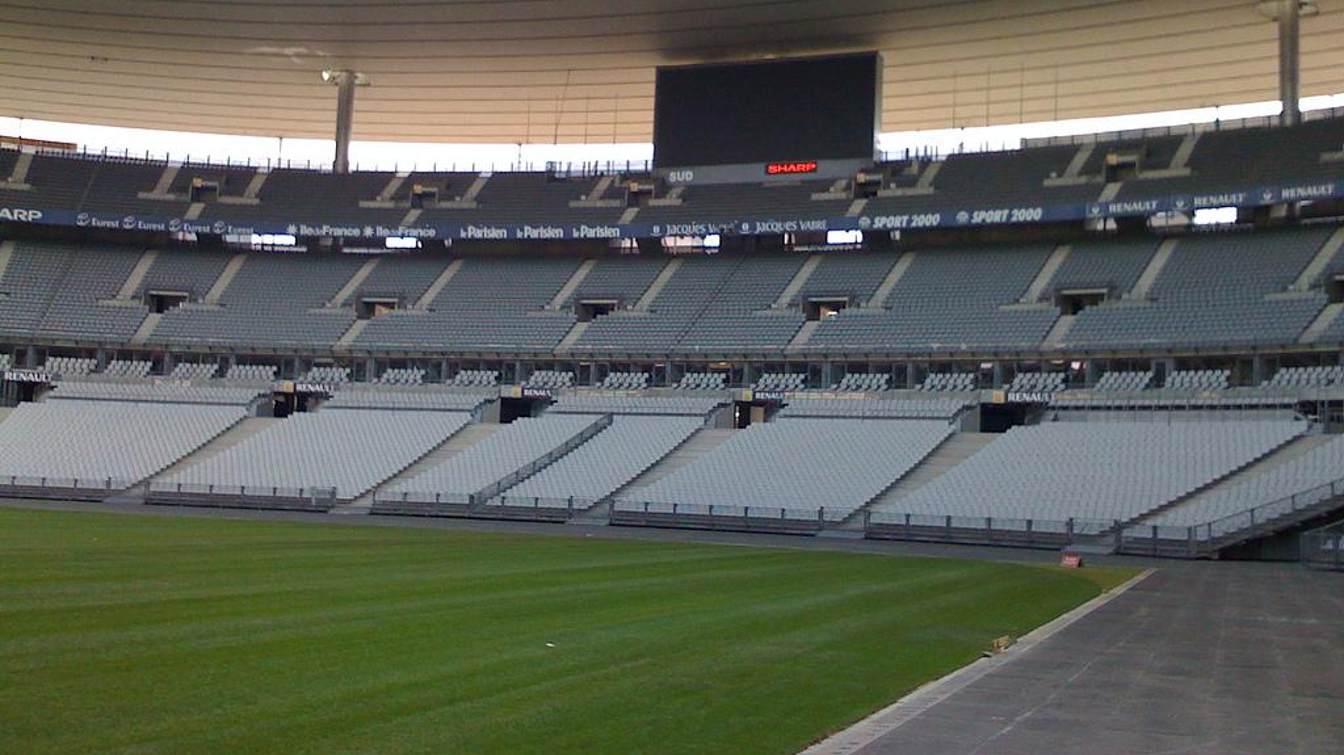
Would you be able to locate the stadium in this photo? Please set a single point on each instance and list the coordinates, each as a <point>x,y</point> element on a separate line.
<point>734,376</point>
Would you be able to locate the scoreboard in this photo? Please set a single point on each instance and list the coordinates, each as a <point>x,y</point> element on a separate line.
<point>785,115</point>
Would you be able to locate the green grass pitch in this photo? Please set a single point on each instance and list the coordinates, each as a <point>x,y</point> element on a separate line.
<point>148,634</point>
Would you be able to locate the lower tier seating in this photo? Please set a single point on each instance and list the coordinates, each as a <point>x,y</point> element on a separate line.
<point>799,464</point>
<point>102,444</point>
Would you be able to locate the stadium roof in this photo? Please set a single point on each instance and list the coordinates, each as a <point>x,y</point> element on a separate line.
<point>582,70</point>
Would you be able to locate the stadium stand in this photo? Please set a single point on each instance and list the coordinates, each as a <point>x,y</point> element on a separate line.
<point>577,403</point>
<point>602,465</point>
<point>475,378</point>
<point>487,468</point>
<point>194,371</point>
<point>1097,472</point>
<point>1308,477</point>
<point>1216,289</point>
<point>327,374</point>
<point>1199,380</point>
<point>1299,377</point>
<point>251,372</point>
<point>550,379</point>
<point>70,366</point>
<point>159,392</point>
<point>948,381</point>
<point>703,381</point>
<point>919,408</point>
<point>263,307</point>
<point>348,450</point>
<point>773,469</point>
<point>402,376</point>
<point>126,368</point>
<point>95,448</point>
<point>931,309</point>
<point>864,381</point>
<point>625,381</point>
<point>1038,381</point>
<point>1124,381</point>
<point>781,381</point>
<point>485,306</point>
<point>369,397</point>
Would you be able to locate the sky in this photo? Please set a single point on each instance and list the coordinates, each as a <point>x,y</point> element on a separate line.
<point>364,155</point>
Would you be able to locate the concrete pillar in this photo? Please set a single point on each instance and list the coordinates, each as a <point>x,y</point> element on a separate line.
<point>345,116</point>
<point>1289,60</point>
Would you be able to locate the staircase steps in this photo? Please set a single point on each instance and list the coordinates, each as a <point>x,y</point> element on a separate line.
<point>454,444</point>
<point>572,284</point>
<point>651,293</point>
<point>698,444</point>
<point>893,277</point>
<point>1154,269</point>
<point>225,278</point>
<point>432,292</point>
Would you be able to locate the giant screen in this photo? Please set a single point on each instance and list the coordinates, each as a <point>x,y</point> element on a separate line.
<point>772,111</point>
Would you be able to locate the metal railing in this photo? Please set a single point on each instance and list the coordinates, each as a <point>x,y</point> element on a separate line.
<point>56,484</point>
<point>1323,548</point>
<point>1204,538</point>
<point>316,496</point>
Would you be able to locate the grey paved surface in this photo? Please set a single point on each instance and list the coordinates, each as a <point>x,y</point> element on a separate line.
<point>1198,658</point>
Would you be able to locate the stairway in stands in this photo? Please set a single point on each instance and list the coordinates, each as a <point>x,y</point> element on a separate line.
<point>459,441</point>
<point>700,443</point>
<point>1279,456</point>
<point>957,448</point>
<point>244,429</point>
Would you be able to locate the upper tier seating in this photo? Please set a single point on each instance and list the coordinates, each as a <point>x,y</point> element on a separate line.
<point>1231,159</point>
<point>351,450</point>
<point>1095,471</point>
<point>51,292</point>
<point>948,300</point>
<point>275,300</point>
<point>1215,290</point>
<point>106,445</point>
<point>800,464</point>
<point>488,305</point>
<point>710,304</point>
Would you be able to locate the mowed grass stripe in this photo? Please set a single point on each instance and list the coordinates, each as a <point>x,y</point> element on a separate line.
<point>147,634</point>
